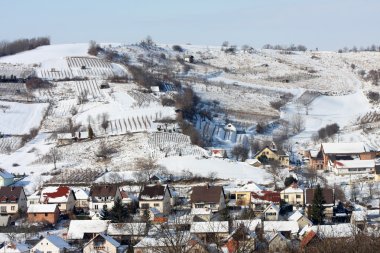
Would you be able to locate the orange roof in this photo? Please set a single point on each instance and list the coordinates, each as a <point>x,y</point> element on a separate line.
<point>309,236</point>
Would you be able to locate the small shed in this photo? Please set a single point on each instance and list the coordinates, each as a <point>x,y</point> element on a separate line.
<point>189,58</point>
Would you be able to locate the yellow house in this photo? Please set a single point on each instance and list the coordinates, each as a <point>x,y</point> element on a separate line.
<point>273,154</point>
<point>293,195</point>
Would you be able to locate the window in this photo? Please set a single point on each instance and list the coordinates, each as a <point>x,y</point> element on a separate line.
<point>105,206</point>
<point>145,206</point>
<point>286,196</point>
<point>199,205</point>
<point>3,209</point>
<point>46,214</point>
<point>156,204</point>
<point>12,208</point>
<point>96,207</point>
<point>298,196</point>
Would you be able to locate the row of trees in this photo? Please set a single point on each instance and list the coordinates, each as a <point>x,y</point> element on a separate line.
<point>20,45</point>
<point>291,47</point>
<point>372,48</point>
<point>327,131</point>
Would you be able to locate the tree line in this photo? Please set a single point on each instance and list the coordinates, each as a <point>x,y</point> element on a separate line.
<point>20,45</point>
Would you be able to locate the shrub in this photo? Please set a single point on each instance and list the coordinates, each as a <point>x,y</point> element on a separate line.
<point>373,96</point>
<point>94,48</point>
<point>328,130</point>
<point>177,48</point>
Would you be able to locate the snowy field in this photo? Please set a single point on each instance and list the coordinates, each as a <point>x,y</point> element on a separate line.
<point>20,118</point>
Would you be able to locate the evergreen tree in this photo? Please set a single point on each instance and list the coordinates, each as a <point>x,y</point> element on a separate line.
<point>90,132</point>
<point>119,213</point>
<point>317,208</point>
<point>225,214</point>
<point>104,214</point>
<point>146,216</point>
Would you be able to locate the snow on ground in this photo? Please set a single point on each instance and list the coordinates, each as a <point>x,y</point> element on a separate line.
<point>51,56</point>
<point>20,118</point>
<point>224,169</point>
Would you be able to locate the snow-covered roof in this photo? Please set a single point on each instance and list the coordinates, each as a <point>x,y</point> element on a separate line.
<point>292,189</point>
<point>281,226</point>
<point>274,235</point>
<point>78,228</point>
<point>107,238</point>
<point>336,231</point>
<point>58,242</point>
<point>252,161</point>
<point>64,136</point>
<point>42,208</point>
<point>126,229</point>
<point>345,164</point>
<point>5,174</point>
<point>360,215</point>
<point>295,216</point>
<point>273,206</point>
<point>81,193</point>
<point>250,187</point>
<point>12,247</point>
<point>54,194</point>
<point>209,227</point>
<point>201,211</point>
<point>344,148</point>
<point>250,224</point>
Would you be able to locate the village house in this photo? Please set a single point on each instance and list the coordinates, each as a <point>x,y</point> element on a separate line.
<point>81,198</point>
<point>242,239</point>
<point>48,213</point>
<point>69,138</point>
<point>218,152</point>
<point>347,167</point>
<point>242,194</point>
<point>127,232</point>
<point>271,213</point>
<point>103,196</point>
<point>12,200</point>
<point>63,196</point>
<point>315,159</point>
<point>332,152</point>
<point>278,243</point>
<point>6,178</point>
<point>86,229</point>
<point>328,195</point>
<point>13,247</point>
<point>261,200</point>
<point>211,231</point>
<point>287,228</point>
<point>201,214</point>
<point>53,244</point>
<point>293,195</point>
<point>102,243</point>
<point>271,153</point>
<point>155,196</point>
<point>208,196</point>
<point>301,219</point>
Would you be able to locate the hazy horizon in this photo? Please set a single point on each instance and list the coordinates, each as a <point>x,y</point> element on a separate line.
<point>328,25</point>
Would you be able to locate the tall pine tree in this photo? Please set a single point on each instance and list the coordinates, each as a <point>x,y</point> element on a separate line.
<point>119,213</point>
<point>317,208</point>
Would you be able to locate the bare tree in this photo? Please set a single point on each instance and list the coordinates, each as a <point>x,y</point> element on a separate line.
<point>145,169</point>
<point>274,171</point>
<point>104,121</point>
<point>105,150</point>
<point>55,156</point>
<point>354,191</point>
<point>297,123</point>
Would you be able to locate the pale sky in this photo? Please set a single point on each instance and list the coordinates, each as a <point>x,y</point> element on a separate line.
<point>326,24</point>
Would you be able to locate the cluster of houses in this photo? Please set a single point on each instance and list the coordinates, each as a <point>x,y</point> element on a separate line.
<point>281,219</point>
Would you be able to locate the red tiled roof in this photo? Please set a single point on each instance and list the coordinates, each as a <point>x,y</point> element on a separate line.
<point>309,236</point>
<point>271,196</point>
<point>62,191</point>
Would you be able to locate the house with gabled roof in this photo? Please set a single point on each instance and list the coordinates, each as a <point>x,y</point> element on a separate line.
<point>293,195</point>
<point>6,178</point>
<point>332,152</point>
<point>102,243</point>
<point>329,197</point>
<point>262,199</point>
<point>155,196</point>
<point>210,230</point>
<point>243,194</point>
<point>208,196</point>
<point>81,197</point>
<point>12,247</point>
<point>271,153</point>
<point>272,212</point>
<point>63,196</point>
<point>301,219</point>
<point>12,200</point>
<point>86,229</point>
<point>288,228</point>
<point>53,244</point>
<point>48,213</point>
<point>103,196</point>
<point>278,243</point>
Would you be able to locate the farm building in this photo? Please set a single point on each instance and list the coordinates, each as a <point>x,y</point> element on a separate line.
<point>6,178</point>
<point>189,58</point>
<point>218,152</point>
<point>43,213</point>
